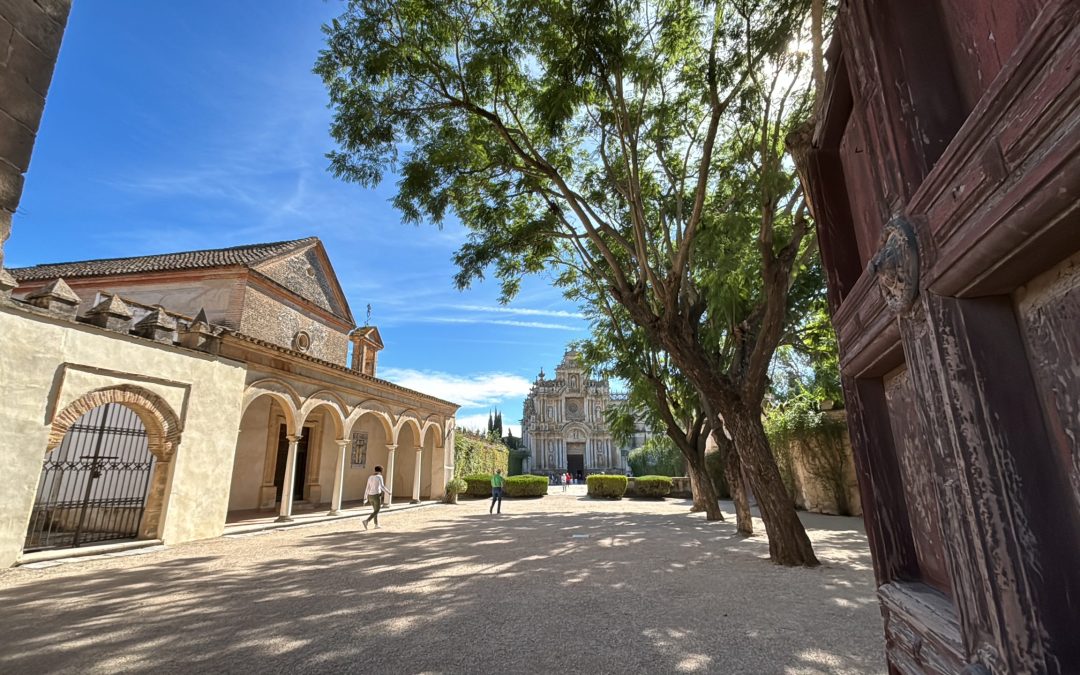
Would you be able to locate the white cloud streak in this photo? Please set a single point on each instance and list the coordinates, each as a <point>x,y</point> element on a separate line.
<point>521,311</point>
<point>469,391</point>
<point>501,322</point>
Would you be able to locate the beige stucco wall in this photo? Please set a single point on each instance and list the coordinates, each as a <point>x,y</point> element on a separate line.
<point>46,363</point>
<point>248,467</point>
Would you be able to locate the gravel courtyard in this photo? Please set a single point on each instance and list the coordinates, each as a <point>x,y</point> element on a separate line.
<point>559,584</point>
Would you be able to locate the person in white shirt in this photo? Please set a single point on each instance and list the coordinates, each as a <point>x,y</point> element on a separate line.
<point>374,492</point>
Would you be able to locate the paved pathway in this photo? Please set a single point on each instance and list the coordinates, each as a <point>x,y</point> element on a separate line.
<point>558,584</point>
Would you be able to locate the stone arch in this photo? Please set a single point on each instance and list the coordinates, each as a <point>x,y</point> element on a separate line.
<point>163,426</point>
<point>432,424</point>
<point>330,402</point>
<point>163,432</point>
<point>383,418</point>
<point>408,417</point>
<point>287,398</point>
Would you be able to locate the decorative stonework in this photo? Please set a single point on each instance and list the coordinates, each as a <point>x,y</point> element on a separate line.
<point>163,427</point>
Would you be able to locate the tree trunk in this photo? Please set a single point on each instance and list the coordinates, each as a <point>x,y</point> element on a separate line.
<point>788,542</point>
<point>695,492</point>
<point>699,479</point>
<point>744,521</point>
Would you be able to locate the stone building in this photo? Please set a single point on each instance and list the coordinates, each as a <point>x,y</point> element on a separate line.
<point>562,423</point>
<point>236,364</point>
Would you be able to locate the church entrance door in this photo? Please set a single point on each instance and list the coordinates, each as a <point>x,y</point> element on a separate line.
<point>575,463</point>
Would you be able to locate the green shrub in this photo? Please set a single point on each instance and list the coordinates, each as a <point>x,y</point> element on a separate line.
<point>602,486</point>
<point>658,456</point>
<point>479,485</point>
<point>525,486</point>
<point>474,455</point>
<point>652,487</point>
<point>455,487</point>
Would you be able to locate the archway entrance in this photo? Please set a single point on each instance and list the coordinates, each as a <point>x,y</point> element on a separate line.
<point>93,487</point>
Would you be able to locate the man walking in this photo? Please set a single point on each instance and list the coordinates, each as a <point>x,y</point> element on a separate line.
<point>374,492</point>
<point>496,490</point>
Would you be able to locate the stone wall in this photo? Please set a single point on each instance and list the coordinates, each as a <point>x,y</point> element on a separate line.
<point>30,34</point>
<point>53,363</point>
<point>269,319</point>
<point>811,489</point>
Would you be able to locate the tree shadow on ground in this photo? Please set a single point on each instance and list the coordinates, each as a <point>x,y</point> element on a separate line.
<point>528,591</point>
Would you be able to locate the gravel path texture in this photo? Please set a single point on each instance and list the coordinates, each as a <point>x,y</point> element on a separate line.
<point>553,585</point>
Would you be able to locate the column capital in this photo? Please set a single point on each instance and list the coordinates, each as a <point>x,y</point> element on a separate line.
<point>294,439</point>
<point>342,442</point>
<point>391,447</point>
<point>419,448</point>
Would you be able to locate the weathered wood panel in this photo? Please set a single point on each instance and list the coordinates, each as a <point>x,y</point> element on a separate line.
<point>1012,536</point>
<point>1049,309</point>
<point>983,35</point>
<point>917,472</point>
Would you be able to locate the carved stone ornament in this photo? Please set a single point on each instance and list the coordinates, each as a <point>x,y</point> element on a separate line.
<point>896,265</point>
<point>302,341</point>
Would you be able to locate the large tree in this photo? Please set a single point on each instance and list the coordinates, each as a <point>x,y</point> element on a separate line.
<point>643,138</point>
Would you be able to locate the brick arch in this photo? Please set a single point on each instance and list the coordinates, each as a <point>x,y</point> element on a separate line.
<point>162,424</point>
<point>163,432</point>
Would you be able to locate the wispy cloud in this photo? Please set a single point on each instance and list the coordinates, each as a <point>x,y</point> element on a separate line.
<point>502,322</point>
<point>521,311</point>
<point>470,391</point>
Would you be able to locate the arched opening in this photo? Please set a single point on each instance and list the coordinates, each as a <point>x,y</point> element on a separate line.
<point>368,438</point>
<point>314,484</point>
<point>258,466</point>
<point>105,470</point>
<point>405,461</point>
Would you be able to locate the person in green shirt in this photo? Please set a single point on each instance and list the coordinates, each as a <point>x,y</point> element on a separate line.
<point>496,490</point>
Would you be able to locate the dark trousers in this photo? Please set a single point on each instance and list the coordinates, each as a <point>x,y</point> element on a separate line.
<point>376,504</point>
<point>496,498</point>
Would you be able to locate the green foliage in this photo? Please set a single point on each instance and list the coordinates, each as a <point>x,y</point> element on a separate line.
<point>658,456</point>
<point>454,487</point>
<point>517,457</point>
<point>652,487</point>
<point>474,455</point>
<point>798,424</point>
<point>479,485</point>
<point>602,486</point>
<point>525,486</point>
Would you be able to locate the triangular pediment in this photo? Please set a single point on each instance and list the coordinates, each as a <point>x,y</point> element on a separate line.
<point>307,273</point>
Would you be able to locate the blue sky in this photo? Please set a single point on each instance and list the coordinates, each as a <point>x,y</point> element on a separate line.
<point>197,124</point>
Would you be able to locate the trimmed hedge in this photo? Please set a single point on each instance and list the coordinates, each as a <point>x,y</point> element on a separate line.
<point>525,486</point>
<point>602,486</point>
<point>652,487</point>
<point>479,485</point>
<point>474,456</point>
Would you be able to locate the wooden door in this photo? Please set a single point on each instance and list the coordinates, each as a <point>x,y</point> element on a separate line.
<point>945,179</point>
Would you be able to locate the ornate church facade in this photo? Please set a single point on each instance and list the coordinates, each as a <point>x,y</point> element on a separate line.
<point>562,423</point>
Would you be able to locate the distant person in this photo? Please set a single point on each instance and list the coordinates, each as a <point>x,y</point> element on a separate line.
<point>562,479</point>
<point>373,493</point>
<point>496,490</point>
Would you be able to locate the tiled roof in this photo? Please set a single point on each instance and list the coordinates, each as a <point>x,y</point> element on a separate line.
<point>242,256</point>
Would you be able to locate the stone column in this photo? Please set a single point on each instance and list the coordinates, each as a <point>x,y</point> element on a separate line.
<point>339,478</point>
<point>285,515</point>
<point>416,476</point>
<point>389,478</point>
